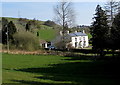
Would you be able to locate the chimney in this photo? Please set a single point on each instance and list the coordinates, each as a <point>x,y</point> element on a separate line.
<point>68,32</point>
<point>61,33</point>
<point>76,31</point>
<point>83,31</point>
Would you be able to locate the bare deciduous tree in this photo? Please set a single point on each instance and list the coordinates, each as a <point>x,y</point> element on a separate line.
<point>65,16</point>
<point>111,8</point>
<point>119,7</point>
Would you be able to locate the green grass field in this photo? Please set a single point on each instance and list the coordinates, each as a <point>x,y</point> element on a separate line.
<point>57,70</point>
<point>47,34</point>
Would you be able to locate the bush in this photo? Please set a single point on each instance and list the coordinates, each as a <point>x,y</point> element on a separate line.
<point>60,45</point>
<point>26,41</point>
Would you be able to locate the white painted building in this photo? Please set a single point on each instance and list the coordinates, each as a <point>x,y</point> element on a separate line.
<point>72,40</point>
<point>78,39</point>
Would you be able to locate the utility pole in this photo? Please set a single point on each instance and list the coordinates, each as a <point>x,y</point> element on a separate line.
<point>7,39</point>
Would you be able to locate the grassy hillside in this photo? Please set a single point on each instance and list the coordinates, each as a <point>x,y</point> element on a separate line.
<point>46,32</point>
<point>20,23</point>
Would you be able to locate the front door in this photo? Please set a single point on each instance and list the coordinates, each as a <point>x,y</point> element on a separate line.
<point>76,43</point>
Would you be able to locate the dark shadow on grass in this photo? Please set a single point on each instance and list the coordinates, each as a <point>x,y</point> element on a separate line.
<point>92,57</point>
<point>87,51</point>
<point>83,73</point>
<point>24,82</point>
<point>89,54</point>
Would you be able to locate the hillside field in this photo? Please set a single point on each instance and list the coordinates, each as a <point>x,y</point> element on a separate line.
<point>47,34</point>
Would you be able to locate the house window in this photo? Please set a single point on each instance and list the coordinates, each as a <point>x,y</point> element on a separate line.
<point>84,44</point>
<point>80,44</point>
<point>76,39</point>
<point>80,38</point>
<point>84,38</point>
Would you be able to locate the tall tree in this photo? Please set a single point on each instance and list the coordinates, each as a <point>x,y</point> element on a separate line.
<point>99,29</point>
<point>115,32</point>
<point>11,30</point>
<point>111,8</point>
<point>4,30</point>
<point>8,29</point>
<point>65,16</point>
<point>119,7</point>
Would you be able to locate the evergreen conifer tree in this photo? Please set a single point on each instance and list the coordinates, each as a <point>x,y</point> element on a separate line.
<point>7,29</point>
<point>11,30</point>
<point>4,30</point>
<point>99,30</point>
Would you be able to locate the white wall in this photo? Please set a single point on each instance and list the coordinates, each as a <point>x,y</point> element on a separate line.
<point>87,41</point>
<point>80,41</point>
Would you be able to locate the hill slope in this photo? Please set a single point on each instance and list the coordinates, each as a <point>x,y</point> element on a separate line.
<point>46,32</point>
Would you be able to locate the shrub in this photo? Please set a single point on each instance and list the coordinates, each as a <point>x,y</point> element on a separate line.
<point>26,41</point>
<point>60,45</point>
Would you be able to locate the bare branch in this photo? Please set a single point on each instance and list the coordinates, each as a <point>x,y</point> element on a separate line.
<point>64,13</point>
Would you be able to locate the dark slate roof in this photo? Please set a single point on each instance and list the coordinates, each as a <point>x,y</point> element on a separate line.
<point>77,34</point>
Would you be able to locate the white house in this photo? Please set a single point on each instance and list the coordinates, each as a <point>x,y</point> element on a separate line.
<point>77,39</point>
<point>74,40</point>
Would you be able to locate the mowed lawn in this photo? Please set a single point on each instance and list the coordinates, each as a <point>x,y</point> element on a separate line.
<point>58,70</point>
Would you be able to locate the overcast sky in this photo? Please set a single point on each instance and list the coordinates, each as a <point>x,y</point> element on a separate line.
<point>44,10</point>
